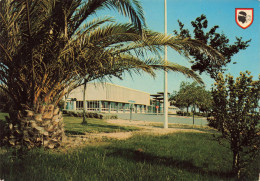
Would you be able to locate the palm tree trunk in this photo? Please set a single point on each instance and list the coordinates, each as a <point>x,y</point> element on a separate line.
<point>40,128</point>
<point>84,103</point>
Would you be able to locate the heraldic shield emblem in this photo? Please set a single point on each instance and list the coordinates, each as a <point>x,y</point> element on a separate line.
<point>244,17</point>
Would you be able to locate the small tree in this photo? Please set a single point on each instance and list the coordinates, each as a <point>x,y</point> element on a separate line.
<point>236,116</point>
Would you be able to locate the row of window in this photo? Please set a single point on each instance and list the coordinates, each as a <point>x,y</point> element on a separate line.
<point>95,106</point>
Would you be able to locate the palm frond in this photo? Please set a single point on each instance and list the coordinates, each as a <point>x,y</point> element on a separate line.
<point>134,11</point>
<point>169,66</point>
<point>92,25</point>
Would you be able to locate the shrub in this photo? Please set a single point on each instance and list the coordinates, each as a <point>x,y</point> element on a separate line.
<point>181,113</point>
<point>236,115</point>
<point>90,114</point>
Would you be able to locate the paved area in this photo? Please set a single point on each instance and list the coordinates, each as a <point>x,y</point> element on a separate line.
<point>160,118</point>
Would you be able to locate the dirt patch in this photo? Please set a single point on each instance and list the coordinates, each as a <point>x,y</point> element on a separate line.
<point>146,127</point>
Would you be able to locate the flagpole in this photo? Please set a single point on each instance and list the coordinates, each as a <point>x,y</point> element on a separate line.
<point>165,102</point>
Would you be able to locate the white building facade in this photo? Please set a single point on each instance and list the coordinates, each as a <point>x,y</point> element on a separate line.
<point>107,97</point>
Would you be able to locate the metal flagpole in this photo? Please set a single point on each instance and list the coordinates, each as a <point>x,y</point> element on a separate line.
<point>165,105</point>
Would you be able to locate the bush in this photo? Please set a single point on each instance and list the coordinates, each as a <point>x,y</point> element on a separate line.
<point>93,115</point>
<point>182,113</point>
<point>110,116</point>
<point>203,114</point>
<point>187,114</point>
<point>90,114</point>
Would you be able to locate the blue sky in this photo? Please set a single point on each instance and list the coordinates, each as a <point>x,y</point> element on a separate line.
<point>218,12</point>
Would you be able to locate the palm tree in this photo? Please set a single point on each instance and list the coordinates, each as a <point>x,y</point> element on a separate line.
<point>37,62</point>
<point>48,46</point>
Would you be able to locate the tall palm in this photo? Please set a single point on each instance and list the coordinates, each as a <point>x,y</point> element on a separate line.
<point>35,67</point>
<point>47,46</point>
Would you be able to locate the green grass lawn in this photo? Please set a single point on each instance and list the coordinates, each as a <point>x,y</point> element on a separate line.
<point>184,126</point>
<point>179,156</point>
<point>73,126</point>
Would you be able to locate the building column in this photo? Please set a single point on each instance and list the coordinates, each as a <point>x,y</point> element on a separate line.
<point>109,107</point>
<point>123,107</point>
<point>117,107</point>
<point>74,105</point>
<point>100,106</point>
<point>135,108</point>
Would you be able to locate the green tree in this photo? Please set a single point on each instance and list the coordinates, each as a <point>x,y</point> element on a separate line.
<point>176,100</point>
<point>190,94</point>
<point>205,103</point>
<point>185,96</point>
<point>219,41</point>
<point>236,115</point>
<point>48,47</point>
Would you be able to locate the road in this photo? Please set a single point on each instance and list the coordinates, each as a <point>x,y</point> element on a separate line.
<point>160,118</point>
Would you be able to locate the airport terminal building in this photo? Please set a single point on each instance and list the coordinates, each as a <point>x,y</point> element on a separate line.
<point>108,97</point>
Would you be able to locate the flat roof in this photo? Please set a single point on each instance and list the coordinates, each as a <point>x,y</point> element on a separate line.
<point>156,95</point>
<point>118,86</point>
<point>161,93</point>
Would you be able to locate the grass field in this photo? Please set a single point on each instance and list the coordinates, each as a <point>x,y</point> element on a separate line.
<point>73,126</point>
<point>178,156</point>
